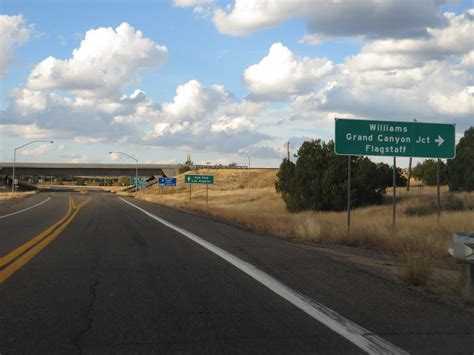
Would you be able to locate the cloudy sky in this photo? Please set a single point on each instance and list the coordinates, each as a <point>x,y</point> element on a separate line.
<point>160,80</point>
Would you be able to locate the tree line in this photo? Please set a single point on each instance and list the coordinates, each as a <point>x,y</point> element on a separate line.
<point>318,178</point>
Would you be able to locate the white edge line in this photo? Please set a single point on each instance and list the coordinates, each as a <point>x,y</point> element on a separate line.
<point>357,335</point>
<point>26,209</point>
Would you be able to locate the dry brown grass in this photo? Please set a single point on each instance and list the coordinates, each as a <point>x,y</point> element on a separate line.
<point>11,196</point>
<point>263,209</point>
<point>85,187</point>
<point>417,240</point>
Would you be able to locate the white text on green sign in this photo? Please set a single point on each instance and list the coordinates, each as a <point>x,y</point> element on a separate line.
<point>198,179</point>
<point>389,138</point>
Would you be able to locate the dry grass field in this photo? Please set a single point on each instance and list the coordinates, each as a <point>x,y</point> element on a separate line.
<point>11,196</point>
<point>418,240</point>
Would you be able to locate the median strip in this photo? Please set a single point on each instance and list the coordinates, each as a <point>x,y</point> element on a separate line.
<point>20,256</point>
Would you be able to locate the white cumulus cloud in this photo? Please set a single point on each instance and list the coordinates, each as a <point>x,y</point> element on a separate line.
<point>107,60</point>
<point>193,101</point>
<point>37,151</point>
<point>281,74</point>
<point>333,18</point>
<point>28,131</point>
<point>232,124</point>
<point>208,118</point>
<point>454,39</point>
<point>468,60</point>
<point>14,31</point>
<point>79,159</point>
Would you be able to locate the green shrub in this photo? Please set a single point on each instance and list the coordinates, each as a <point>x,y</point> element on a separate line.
<point>427,172</point>
<point>451,202</point>
<point>79,181</point>
<point>318,179</point>
<point>422,209</point>
<point>461,168</point>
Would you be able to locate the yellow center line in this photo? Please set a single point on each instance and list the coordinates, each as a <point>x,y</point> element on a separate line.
<point>41,243</point>
<point>21,249</point>
<point>83,202</point>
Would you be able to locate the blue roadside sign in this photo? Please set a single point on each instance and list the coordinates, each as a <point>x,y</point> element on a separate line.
<point>162,181</point>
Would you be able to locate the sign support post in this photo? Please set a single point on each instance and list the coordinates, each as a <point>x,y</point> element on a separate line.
<point>394,182</point>
<point>199,179</point>
<point>409,174</point>
<point>438,211</point>
<point>395,139</point>
<point>348,193</point>
<point>409,169</point>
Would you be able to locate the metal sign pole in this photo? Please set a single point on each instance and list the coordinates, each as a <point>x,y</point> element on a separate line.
<point>409,174</point>
<point>394,199</point>
<point>207,194</point>
<point>348,193</point>
<point>438,210</point>
<point>190,192</point>
<point>409,169</point>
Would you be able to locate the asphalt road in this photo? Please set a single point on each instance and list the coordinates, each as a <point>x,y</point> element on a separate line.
<point>111,279</point>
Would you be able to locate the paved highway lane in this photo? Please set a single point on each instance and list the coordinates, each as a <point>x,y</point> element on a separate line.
<point>13,207</point>
<point>22,219</point>
<point>117,280</point>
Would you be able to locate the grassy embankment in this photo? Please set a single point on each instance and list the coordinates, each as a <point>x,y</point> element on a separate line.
<point>418,240</point>
<point>20,194</point>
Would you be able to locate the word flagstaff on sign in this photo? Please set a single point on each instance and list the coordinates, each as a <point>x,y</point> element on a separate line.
<point>389,138</point>
<point>396,139</point>
<point>198,179</point>
<point>162,181</point>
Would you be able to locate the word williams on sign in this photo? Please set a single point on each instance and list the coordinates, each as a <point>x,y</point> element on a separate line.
<point>198,179</point>
<point>400,139</point>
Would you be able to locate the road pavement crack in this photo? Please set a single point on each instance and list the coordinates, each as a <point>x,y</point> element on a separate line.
<point>90,308</point>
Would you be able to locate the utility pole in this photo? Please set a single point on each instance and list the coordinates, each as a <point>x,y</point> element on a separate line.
<point>14,159</point>
<point>288,150</point>
<point>136,168</point>
<point>248,169</point>
<point>249,173</point>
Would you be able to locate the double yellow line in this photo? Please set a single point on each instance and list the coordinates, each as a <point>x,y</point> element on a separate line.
<point>15,260</point>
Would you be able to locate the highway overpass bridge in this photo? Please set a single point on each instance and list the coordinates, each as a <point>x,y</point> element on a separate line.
<point>59,169</point>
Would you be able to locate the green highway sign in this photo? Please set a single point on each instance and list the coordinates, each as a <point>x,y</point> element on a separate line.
<point>198,179</point>
<point>400,139</point>
<point>141,182</point>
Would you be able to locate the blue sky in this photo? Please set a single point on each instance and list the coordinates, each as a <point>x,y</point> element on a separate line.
<point>267,106</point>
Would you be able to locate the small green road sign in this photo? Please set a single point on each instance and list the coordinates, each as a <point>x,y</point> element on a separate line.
<point>396,139</point>
<point>198,179</point>
<point>139,182</point>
